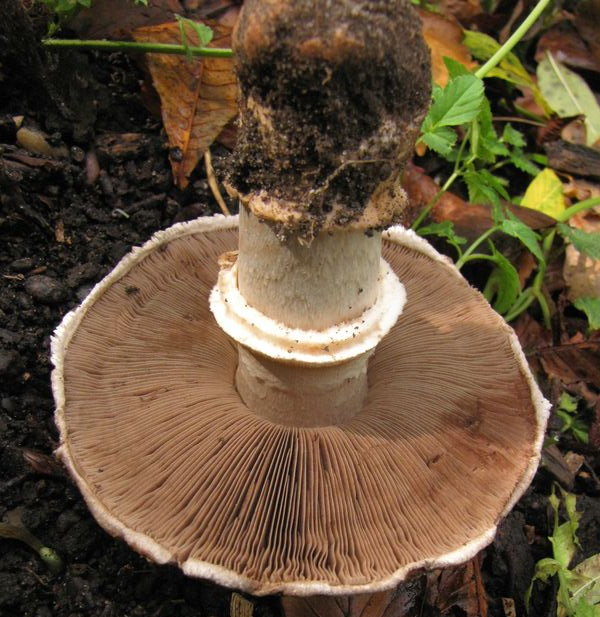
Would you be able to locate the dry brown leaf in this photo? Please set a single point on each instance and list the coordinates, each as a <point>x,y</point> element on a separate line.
<point>405,600</point>
<point>114,19</point>
<point>459,587</point>
<point>582,272</point>
<point>573,362</point>
<point>444,37</point>
<point>566,45</point>
<point>198,96</point>
<point>470,220</point>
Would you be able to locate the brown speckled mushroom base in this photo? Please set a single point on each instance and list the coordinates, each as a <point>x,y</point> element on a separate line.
<point>169,458</point>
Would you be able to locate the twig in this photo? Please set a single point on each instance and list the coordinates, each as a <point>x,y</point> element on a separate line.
<point>212,183</point>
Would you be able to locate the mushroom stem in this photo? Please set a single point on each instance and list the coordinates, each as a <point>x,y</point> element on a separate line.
<point>306,320</point>
<point>294,395</point>
<point>310,287</point>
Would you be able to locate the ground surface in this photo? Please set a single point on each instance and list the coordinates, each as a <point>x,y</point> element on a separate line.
<point>64,223</point>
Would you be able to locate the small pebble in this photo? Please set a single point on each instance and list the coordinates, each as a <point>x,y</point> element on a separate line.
<point>25,264</point>
<point>77,154</point>
<point>92,167</point>
<point>46,290</point>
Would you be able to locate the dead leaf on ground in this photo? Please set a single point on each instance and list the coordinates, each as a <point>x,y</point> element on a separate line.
<point>573,362</point>
<point>460,587</point>
<point>463,10</point>
<point>198,96</point>
<point>470,220</point>
<point>582,272</point>
<point>404,600</point>
<point>115,19</point>
<point>567,46</point>
<point>578,189</point>
<point>587,21</point>
<point>444,36</point>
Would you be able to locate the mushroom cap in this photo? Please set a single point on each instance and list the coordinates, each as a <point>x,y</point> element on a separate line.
<point>169,458</point>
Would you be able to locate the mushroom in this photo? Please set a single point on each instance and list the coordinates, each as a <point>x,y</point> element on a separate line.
<point>314,404</point>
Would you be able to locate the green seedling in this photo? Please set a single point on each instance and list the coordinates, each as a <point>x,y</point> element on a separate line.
<point>570,418</point>
<point>47,555</point>
<point>578,588</point>
<point>462,108</point>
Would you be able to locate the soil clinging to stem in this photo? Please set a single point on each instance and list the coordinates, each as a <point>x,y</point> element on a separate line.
<point>332,95</point>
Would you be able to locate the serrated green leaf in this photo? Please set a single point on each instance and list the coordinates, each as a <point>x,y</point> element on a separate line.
<point>517,229</point>
<point>484,187</point>
<point>504,282</point>
<point>488,146</point>
<point>545,194</point>
<point>591,308</point>
<point>584,242</point>
<point>569,95</point>
<point>455,68</point>
<point>511,136</point>
<point>521,161</point>
<point>443,230</point>
<point>441,140</point>
<point>459,102</point>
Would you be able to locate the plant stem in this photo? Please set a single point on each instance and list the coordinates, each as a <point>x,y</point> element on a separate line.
<point>130,46</point>
<point>515,37</point>
<point>427,209</point>
<point>482,238</point>
<point>586,204</point>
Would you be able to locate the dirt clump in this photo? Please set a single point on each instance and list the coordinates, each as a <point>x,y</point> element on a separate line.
<point>332,95</point>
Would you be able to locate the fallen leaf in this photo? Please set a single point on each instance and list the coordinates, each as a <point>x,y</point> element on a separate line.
<point>469,220</point>
<point>545,194</point>
<point>198,96</point>
<point>569,95</point>
<point>578,189</point>
<point>404,600</point>
<point>458,588</point>
<point>444,37</point>
<point>580,271</point>
<point>573,362</point>
<point>114,19</point>
<point>566,45</point>
<point>587,21</point>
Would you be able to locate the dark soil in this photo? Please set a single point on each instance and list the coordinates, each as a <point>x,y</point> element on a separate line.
<point>64,223</point>
<point>319,127</point>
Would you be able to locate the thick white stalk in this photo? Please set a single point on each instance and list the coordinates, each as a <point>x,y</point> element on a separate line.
<point>309,287</point>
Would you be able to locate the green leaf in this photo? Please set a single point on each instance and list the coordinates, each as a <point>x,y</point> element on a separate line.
<point>517,229</point>
<point>441,140</point>
<point>563,545</point>
<point>503,282</point>
<point>513,137</point>
<point>588,243</point>
<point>521,161</point>
<point>569,95</point>
<point>585,609</point>
<point>591,308</point>
<point>487,146</point>
<point>484,187</point>
<point>587,584</point>
<point>444,230</point>
<point>459,102</point>
<point>567,403</point>
<point>455,68</point>
<point>545,194</point>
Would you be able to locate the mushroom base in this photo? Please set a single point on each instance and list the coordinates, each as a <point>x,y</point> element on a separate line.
<point>305,396</point>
